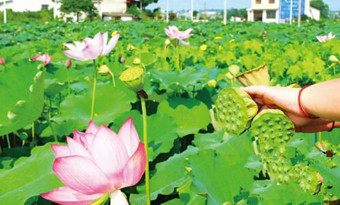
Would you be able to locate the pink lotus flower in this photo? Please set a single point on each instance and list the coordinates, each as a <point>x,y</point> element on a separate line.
<point>91,49</point>
<point>174,33</point>
<point>325,38</point>
<point>46,59</point>
<point>98,163</point>
<point>2,61</point>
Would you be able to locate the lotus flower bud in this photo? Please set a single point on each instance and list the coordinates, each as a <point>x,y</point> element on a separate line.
<point>333,58</point>
<point>203,47</point>
<point>122,59</point>
<point>68,63</point>
<point>2,61</point>
<point>167,43</point>
<point>103,69</point>
<point>133,78</point>
<point>136,61</point>
<point>234,69</point>
<point>265,32</point>
<point>212,83</point>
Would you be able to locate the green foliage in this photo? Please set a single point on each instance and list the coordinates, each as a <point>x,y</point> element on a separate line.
<point>190,115</point>
<point>77,7</point>
<point>322,6</point>
<point>191,163</point>
<point>28,16</point>
<point>29,177</point>
<point>24,102</point>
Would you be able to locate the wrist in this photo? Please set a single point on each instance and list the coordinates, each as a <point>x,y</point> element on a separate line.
<point>337,124</point>
<point>303,99</point>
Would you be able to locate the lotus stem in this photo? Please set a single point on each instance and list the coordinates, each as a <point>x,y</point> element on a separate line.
<point>68,82</point>
<point>178,57</point>
<point>319,136</point>
<point>33,131</point>
<point>94,90</point>
<point>145,137</point>
<point>8,141</point>
<point>49,120</point>
<point>113,79</point>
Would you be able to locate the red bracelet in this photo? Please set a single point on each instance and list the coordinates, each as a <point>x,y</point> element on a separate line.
<point>304,112</point>
<point>333,126</point>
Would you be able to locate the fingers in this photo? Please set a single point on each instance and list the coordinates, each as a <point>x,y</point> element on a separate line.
<point>318,125</point>
<point>256,91</point>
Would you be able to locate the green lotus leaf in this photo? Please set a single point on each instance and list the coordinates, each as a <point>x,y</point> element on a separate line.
<point>29,177</point>
<point>22,89</point>
<point>189,114</point>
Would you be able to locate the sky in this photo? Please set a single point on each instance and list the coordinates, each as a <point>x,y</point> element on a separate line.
<point>218,4</point>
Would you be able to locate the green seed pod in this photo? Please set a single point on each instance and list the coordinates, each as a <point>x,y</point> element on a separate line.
<point>308,179</point>
<point>276,135</point>
<point>241,109</point>
<point>133,78</point>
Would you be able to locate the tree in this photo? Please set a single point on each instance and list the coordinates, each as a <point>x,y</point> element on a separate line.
<point>77,7</point>
<point>145,3</point>
<point>323,7</point>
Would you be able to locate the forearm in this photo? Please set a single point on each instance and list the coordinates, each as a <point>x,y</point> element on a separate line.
<point>323,100</point>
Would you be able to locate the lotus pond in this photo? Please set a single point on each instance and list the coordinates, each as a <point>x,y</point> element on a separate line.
<point>202,131</point>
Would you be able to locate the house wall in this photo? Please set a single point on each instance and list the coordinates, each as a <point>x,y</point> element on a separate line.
<point>27,5</point>
<point>116,6</point>
<point>313,13</point>
<point>264,5</point>
<point>260,8</point>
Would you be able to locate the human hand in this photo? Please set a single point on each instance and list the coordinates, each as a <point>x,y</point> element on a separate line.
<point>286,99</point>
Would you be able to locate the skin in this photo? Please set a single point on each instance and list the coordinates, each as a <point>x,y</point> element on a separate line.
<point>321,100</point>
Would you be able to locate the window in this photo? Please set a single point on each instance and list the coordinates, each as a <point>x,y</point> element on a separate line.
<point>272,1</point>
<point>44,7</point>
<point>271,14</point>
<point>258,1</point>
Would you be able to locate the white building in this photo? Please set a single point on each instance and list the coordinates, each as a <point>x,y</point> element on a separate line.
<point>276,11</point>
<point>27,5</point>
<point>107,9</point>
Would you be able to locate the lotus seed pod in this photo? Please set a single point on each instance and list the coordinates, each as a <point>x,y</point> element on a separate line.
<point>114,33</point>
<point>309,180</point>
<point>257,76</point>
<point>133,78</point>
<point>203,47</point>
<point>283,133</point>
<point>240,111</point>
<point>212,83</point>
